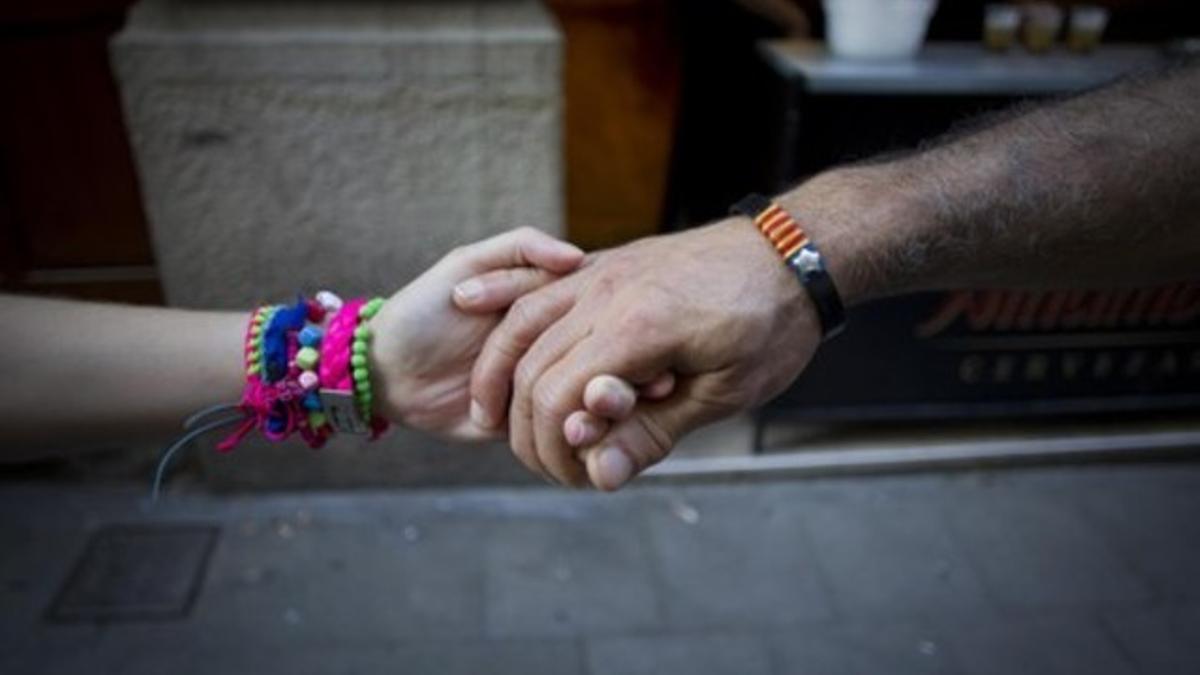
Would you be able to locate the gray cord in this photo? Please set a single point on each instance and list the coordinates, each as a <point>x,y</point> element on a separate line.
<point>165,459</point>
<point>207,412</point>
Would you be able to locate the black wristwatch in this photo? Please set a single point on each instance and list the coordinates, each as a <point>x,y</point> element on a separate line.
<point>800,254</point>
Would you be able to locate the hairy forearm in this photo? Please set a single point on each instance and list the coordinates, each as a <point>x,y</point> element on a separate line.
<point>1099,189</point>
<point>76,371</point>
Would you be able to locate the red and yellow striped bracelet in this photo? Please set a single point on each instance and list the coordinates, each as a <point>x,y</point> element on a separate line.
<point>800,254</point>
<point>784,233</point>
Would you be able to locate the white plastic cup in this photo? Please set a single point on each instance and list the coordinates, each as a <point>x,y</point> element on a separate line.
<point>877,29</point>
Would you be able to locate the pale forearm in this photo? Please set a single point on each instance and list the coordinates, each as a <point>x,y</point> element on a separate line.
<point>1100,189</point>
<point>98,373</point>
<point>80,371</point>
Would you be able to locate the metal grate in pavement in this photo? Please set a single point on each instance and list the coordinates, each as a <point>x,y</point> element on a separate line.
<point>136,572</point>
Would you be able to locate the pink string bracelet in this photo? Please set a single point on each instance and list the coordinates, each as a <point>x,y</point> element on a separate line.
<point>337,381</point>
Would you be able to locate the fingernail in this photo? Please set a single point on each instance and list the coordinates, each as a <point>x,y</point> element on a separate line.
<point>613,468</point>
<point>469,290</point>
<point>581,432</point>
<point>480,417</point>
<point>574,431</point>
<point>617,401</point>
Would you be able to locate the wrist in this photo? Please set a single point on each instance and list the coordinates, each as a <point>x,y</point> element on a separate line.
<point>777,282</point>
<point>390,399</point>
<point>867,227</point>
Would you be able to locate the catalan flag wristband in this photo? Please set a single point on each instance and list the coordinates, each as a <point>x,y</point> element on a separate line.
<point>801,255</point>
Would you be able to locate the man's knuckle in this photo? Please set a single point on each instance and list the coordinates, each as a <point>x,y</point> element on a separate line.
<point>640,322</point>
<point>524,376</point>
<point>508,351</point>
<point>522,312</point>
<point>503,345</point>
<point>547,399</point>
<point>661,441</point>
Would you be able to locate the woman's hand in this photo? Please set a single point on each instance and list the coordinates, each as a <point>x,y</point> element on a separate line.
<point>425,345</point>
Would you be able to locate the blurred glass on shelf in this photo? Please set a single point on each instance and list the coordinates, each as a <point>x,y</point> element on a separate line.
<point>1000,25</point>
<point>1043,21</point>
<point>1086,27</point>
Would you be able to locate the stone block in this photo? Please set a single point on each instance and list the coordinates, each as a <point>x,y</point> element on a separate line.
<point>286,147</point>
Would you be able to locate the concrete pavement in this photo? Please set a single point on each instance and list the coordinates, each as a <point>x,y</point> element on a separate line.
<point>1053,570</point>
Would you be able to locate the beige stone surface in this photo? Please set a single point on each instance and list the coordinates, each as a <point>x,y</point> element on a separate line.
<point>285,147</point>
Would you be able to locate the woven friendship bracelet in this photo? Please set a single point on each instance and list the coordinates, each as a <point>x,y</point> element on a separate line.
<point>337,380</point>
<point>254,341</point>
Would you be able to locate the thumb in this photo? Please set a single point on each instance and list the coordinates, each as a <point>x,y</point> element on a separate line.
<point>644,439</point>
<point>494,291</point>
<point>522,247</point>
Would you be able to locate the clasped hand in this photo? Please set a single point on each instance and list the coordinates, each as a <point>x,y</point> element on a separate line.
<point>595,366</point>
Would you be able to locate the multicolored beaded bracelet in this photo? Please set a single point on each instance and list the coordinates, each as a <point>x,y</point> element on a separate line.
<point>324,304</point>
<point>303,374</point>
<point>306,374</point>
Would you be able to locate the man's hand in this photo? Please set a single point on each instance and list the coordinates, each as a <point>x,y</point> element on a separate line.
<point>715,306</point>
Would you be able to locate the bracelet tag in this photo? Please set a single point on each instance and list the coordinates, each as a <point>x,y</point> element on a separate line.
<point>340,408</point>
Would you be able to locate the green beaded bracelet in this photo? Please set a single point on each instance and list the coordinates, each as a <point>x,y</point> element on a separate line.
<point>358,360</point>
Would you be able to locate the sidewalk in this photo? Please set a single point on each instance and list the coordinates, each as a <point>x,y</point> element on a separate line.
<point>1074,570</point>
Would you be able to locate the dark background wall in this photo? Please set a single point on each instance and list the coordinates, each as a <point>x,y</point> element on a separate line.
<point>660,126</point>
<point>71,219</point>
